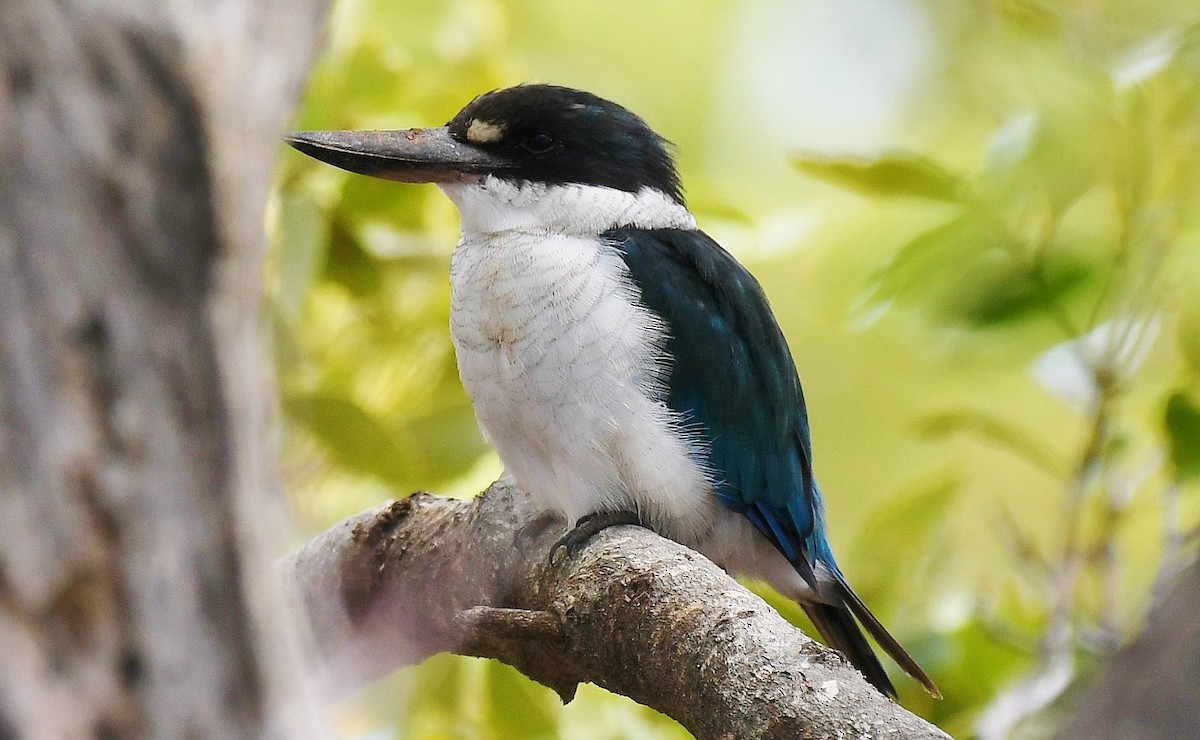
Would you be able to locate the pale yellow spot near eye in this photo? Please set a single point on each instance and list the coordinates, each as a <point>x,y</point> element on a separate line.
<point>484,132</point>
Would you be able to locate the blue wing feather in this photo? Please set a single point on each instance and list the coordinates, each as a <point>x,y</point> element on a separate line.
<point>734,376</point>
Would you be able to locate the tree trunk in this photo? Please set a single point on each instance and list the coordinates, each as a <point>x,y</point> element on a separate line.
<point>136,141</point>
<point>1149,688</point>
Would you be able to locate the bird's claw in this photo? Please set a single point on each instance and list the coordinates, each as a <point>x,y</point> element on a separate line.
<point>587,528</point>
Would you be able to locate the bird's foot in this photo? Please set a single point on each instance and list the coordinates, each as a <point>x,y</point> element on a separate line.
<point>588,527</point>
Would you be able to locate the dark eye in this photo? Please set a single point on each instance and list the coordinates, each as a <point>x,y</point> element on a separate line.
<point>539,143</point>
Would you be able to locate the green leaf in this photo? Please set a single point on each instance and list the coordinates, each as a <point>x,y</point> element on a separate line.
<point>350,265</point>
<point>998,432</point>
<point>941,252</point>
<point>1182,422</point>
<point>965,273</point>
<point>895,173</point>
<point>1009,293</point>
<point>371,199</point>
<point>354,438</point>
<point>448,436</point>
<point>1032,17</point>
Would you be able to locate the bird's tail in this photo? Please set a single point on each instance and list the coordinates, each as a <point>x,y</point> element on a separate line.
<point>836,621</point>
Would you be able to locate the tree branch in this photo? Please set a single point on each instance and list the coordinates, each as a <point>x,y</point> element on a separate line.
<point>632,612</point>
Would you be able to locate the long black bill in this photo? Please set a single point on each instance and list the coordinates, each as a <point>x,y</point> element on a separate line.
<point>413,155</point>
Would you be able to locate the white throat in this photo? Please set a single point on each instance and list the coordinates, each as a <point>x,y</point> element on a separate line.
<point>491,205</point>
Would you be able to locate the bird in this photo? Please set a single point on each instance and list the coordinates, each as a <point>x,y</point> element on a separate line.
<point>625,367</point>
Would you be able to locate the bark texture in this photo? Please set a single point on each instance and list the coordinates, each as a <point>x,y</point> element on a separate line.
<point>630,611</point>
<point>1149,688</point>
<point>136,140</point>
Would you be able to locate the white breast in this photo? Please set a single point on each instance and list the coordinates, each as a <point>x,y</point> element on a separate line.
<point>563,364</point>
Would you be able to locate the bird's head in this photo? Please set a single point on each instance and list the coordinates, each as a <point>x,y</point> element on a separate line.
<point>541,134</point>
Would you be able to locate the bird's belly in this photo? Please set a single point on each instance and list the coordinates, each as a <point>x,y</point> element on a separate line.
<point>733,543</point>
<point>564,368</point>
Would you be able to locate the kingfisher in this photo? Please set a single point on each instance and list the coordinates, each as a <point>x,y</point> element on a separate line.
<point>625,367</point>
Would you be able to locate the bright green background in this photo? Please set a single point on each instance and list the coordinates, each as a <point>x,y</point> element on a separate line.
<point>941,200</point>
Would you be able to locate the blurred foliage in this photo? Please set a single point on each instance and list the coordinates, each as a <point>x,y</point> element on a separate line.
<point>989,284</point>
